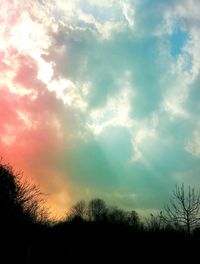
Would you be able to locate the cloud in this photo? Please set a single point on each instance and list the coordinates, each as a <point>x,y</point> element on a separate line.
<point>102,18</point>
<point>146,131</point>
<point>193,145</point>
<point>115,112</point>
<point>32,124</point>
<point>128,12</point>
<point>100,97</point>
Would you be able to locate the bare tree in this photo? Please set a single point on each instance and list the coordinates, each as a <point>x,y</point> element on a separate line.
<point>184,208</point>
<point>116,215</point>
<point>78,211</point>
<point>97,209</point>
<point>20,201</point>
<point>155,222</point>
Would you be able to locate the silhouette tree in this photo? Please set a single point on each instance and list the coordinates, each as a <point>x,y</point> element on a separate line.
<point>183,208</point>
<point>134,220</point>
<point>20,202</point>
<point>155,222</point>
<point>117,215</point>
<point>78,211</point>
<point>97,210</point>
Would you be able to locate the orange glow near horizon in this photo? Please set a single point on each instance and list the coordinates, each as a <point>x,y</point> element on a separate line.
<point>54,189</point>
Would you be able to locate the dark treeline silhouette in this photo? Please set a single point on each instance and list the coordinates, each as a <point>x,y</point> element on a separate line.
<point>94,232</point>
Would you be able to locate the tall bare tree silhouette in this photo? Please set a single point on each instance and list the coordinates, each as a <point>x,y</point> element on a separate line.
<point>184,208</point>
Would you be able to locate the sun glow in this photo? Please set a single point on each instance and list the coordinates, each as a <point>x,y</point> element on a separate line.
<point>29,37</point>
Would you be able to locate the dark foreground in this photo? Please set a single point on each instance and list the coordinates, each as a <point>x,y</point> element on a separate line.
<point>93,233</point>
<point>98,243</point>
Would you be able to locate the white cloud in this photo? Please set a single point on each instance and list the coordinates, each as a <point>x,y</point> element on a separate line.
<point>21,36</point>
<point>145,130</point>
<point>71,94</point>
<point>45,70</point>
<point>117,110</point>
<point>103,3</point>
<point>183,14</point>
<point>184,74</point>
<point>193,145</point>
<point>115,113</point>
<point>129,12</point>
<point>29,36</point>
<point>184,69</point>
<point>72,14</point>
<point>189,9</point>
<point>173,101</point>
<point>105,28</point>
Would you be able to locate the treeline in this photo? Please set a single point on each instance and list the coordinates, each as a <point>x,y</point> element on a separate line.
<point>93,231</point>
<point>98,211</point>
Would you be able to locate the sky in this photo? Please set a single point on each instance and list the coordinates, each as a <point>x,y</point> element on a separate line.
<point>101,98</point>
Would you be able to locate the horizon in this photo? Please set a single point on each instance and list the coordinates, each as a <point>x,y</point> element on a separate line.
<point>101,98</point>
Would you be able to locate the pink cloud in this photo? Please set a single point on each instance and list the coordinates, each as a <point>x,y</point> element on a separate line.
<point>35,126</point>
<point>31,127</point>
